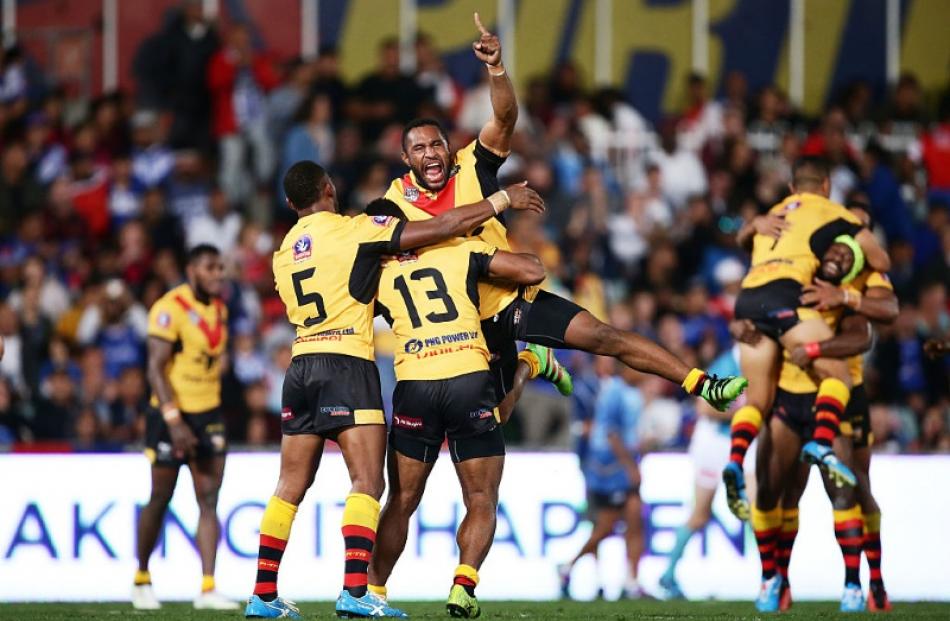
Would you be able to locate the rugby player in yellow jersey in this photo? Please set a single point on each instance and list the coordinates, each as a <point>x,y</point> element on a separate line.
<point>784,260</point>
<point>187,336</point>
<point>430,297</point>
<point>438,182</point>
<point>780,478</point>
<point>327,271</point>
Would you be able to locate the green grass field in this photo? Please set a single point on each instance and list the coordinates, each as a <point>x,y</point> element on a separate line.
<point>566,611</point>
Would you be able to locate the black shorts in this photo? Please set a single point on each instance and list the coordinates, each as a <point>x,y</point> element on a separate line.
<point>324,393</point>
<point>796,410</point>
<point>598,501</point>
<point>208,428</point>
<point>543,321</point>
<point>462,408</point>
<point>774,307</point>
<point>857,419</point>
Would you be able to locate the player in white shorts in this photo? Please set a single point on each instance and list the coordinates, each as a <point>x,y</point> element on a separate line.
<point>709,451</point>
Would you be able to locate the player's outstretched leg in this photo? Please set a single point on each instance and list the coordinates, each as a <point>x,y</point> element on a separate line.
<point>479,478</point>
<point>164,478</point>
<point>587,333</point>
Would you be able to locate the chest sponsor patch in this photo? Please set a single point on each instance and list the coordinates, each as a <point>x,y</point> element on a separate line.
<point>411,194</point>
<point>407,422</point>
<point>302,248</point>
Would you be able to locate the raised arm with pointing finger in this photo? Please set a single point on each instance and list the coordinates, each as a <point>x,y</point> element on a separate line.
<point>496,133</point>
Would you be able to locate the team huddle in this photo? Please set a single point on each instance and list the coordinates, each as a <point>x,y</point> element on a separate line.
<point>432,258</point>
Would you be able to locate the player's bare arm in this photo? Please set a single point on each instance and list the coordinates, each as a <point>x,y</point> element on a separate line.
<point>159,354</point>
<point>771,224</point>
<point>874,254</point>
<point>878,304</point>
<point>461,220</point>
<point>854,337</point>
<point>496,134</point>
<point>518,267</point>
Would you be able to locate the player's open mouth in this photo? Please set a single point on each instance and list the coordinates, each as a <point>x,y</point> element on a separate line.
<point>434,173</point>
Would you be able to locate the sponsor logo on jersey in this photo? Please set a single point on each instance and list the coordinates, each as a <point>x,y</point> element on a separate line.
<point>407,257</point>
<point>286,414</point>
<point>194,318</point>
<point>411,194</point>
<point>481,414</point>
<point>163,320</point>
<point>407,422</point>
<point>302,248</point>
<point>382,220</point>
<point>335,410</point>
<point>785,313</point>
<point>793,205</point>
<point>414,346</point>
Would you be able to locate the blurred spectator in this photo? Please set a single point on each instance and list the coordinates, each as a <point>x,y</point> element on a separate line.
<point>311,137</point>
<point>89,192</point>
<point>48,157</point>
<point>169,68</point>
<point>681,172</point>
<point>239,79</point>
<point>285,101</point>
<point>127,412</point>
<point>125,199</point>
<point>220,227</point>
<point>936,156</point>
<point>152,162</point>
<point>53,298</point>
<point>20,193</point>
<point>54,413</point>
<point>432,78</point>
<point>13,428</point>
<point>386,95</point>
<point>702,117</point>
<point>118,326</point>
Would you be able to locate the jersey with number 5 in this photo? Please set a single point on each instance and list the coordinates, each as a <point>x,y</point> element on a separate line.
<point>326,272</point>
<point>430,297</point>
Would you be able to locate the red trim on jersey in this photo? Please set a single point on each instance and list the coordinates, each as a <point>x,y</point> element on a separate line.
<point>444,199</point>
<point>214,335</point>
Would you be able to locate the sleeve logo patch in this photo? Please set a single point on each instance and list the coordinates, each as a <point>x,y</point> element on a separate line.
<point>382,220</point>
<point>302,248</point>
<point>163,320</point>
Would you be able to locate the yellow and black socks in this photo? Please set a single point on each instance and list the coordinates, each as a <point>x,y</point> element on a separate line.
<point>832,399</point>
<point>693,383</point>
<point>872,548</point>
<point>376,589</point>
<point>275,530</point>
<point>467,577</point>
<point>531,359</point>
<point>786,541</point>
<point>766,526</point>
<point>360,518</point>
<point>142,577</point>
<point>745,426</point>
<point>849,531</point>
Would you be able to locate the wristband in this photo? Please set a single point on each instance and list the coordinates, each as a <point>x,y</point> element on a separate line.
<point>170,413</point>
<point>496,75</point>
<point>499,201</point>
<point>813,350</point>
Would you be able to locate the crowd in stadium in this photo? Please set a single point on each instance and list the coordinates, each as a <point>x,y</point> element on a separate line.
<point>100,198</point>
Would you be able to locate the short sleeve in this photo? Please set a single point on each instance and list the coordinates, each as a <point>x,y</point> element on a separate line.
<point>381,233</point>
<point>879,279</point>
<point>481,256</point>
<point>162,321</point>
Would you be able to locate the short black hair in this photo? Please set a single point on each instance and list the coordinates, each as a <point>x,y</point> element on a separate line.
<point>424,122</point>
<point>810,170</point>
<point>385,207</point>
<point>303,183</point>
<point>201,250</point>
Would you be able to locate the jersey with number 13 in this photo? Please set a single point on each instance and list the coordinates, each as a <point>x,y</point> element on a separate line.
<point>326,272</point>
